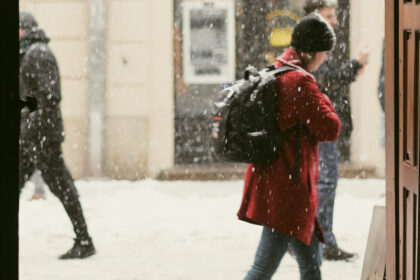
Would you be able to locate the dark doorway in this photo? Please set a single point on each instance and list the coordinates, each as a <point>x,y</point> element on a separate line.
<point>199,73</point>
<point>255,22</point>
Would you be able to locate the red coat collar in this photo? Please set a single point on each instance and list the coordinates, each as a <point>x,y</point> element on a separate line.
<point>290,56</point>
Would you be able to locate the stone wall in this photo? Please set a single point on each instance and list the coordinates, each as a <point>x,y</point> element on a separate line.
<point>65,23</point>
<point>367,26</point>
<point>138,112</point>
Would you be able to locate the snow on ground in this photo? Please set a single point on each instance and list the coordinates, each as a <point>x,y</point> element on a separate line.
<point>174,230</point>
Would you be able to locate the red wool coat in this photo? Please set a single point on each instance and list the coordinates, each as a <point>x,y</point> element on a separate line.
<point>270,197</point>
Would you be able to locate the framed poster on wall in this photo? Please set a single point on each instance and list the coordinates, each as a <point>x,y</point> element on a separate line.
<point>208,42</point>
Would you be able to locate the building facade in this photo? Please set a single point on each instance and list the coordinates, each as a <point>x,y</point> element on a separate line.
<point>126,129</point>
<point>139,77</point>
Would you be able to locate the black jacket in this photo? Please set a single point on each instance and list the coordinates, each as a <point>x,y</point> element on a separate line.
<point>381,86</point>
<point>40,78</point>
<point>334,81</point>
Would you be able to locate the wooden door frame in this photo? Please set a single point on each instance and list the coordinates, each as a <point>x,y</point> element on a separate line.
<point>9,140</point>
<point>392,144</point>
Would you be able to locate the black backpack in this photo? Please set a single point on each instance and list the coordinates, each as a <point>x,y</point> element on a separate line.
<point>244,124</point>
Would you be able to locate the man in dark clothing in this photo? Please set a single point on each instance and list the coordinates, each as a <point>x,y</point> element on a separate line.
<point>42,130</point>
<point>333,80</point>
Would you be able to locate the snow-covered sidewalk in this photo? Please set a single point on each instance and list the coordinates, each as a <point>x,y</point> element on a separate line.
<point>174,230</point>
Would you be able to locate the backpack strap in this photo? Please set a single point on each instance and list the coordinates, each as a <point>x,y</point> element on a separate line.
<point>297,153</point>
<point>280,70</point>
<point>287,67</point>
<point>297,68</point>
<point>296,150</point>
<point>284,69</point>
<point>285,63</point>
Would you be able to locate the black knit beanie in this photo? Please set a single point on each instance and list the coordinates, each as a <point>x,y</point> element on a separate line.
<point>27,21</point>
<point>313,34</point>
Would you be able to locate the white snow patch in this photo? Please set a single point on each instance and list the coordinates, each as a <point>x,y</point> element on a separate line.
<point>174,230</point>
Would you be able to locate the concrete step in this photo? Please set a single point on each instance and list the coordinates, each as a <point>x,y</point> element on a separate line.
<point>236,172</point>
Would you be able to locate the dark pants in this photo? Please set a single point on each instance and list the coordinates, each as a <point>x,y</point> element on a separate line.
<point>273,246</point>
<point>48,158</point>
<point>344,147</point>
<point>327,184</point>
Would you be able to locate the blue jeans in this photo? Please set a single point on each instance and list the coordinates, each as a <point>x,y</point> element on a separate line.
<point>327,185</point>
<point>272,248</point>
<point>326,197</point>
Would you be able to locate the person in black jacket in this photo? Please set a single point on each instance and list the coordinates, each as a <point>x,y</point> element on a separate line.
<point>42,130</point>
<point>333,79</point>
<point>381,97</point>
<point>381,85</point>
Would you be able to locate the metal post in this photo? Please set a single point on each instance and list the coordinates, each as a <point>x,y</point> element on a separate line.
<point>254,38</point>
<point>97,84</point>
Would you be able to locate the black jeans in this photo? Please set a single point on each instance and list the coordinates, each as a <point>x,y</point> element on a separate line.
<point>47,156</point>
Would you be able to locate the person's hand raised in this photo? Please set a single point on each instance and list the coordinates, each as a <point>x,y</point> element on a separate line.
<point>363,54</point>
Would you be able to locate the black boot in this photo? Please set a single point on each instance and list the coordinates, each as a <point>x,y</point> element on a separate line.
<point>80,250</point>
<point>337,254</point>
<point>83,245</point>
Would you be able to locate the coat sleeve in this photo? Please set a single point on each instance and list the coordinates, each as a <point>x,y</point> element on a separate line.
<point>42,81</point>
<point>315,111</point>
<point>43,78</point>
<point>330,79</point>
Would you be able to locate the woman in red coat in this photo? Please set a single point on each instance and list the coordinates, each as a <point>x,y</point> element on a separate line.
<point>284,202</point>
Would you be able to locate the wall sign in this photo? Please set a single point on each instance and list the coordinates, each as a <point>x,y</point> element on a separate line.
<point>208,42</point>
<point>282,23</point>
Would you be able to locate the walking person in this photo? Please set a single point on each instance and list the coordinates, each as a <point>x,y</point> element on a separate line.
<point>42,130</point>
<point>333,80</point>
<point>286,207</point>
